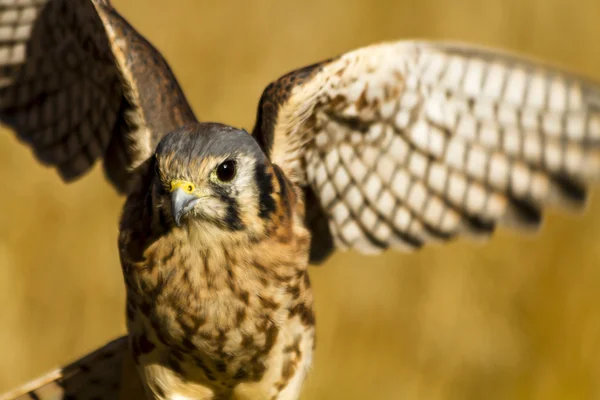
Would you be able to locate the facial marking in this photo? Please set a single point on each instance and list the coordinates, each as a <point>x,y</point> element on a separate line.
<point>232,219</point>
<point>265,189</point>
<point>225,170</point>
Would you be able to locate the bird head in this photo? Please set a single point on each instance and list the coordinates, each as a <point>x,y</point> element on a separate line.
<point>214,176</point>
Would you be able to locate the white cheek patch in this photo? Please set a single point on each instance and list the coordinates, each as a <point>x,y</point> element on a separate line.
<point>245,175</point>
<point>247,192</point>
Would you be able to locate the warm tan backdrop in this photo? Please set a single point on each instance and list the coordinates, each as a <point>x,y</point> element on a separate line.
<point>518,318</point>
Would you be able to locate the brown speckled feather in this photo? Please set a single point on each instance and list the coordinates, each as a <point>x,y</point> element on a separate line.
<point>218,306</point>
<point>78,84</point>
<point>390,146</point>
<point>406,143</point>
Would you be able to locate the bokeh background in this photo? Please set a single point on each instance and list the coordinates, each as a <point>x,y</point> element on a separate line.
<point>516,318</point>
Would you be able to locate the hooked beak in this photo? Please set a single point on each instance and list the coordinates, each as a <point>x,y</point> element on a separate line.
<point>181,204</point>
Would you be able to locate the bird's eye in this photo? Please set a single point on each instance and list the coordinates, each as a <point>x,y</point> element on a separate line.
<point>226,171</point>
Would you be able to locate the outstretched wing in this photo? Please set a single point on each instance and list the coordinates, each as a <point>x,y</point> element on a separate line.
<point>78,84</point>
<point>405,143</point>
<point>99,375</point>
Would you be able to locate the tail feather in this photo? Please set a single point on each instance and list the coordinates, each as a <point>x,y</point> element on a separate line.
<point>98,375</point>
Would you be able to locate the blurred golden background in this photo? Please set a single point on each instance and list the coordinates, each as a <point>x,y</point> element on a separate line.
<point>515,318</point>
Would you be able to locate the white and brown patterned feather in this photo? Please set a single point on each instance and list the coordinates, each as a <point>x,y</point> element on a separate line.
<point>405,143</point>
<point>98,375</point>
<point>78,84</point>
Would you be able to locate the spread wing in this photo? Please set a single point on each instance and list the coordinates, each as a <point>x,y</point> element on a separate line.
<point>78,84</point>
<point>405,143</point>
<point>96,376</point>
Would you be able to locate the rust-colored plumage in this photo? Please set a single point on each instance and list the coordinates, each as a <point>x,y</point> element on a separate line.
<point>391,146</point>
<point>211,304</point>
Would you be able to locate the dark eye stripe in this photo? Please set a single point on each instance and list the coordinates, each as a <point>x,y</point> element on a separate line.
<point>232,218</point>
<point>265,190</point>
<point>283,185</point>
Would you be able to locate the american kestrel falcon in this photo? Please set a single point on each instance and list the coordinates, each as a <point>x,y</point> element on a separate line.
<point>394,145</point>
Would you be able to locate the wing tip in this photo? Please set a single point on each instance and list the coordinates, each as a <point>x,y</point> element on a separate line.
<point>569,193</point>
<point>522,214</point>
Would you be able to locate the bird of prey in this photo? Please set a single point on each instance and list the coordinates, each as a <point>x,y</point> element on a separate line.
<point>391,146</point>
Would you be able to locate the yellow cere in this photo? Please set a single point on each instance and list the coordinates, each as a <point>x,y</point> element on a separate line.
<point>187,187</point>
